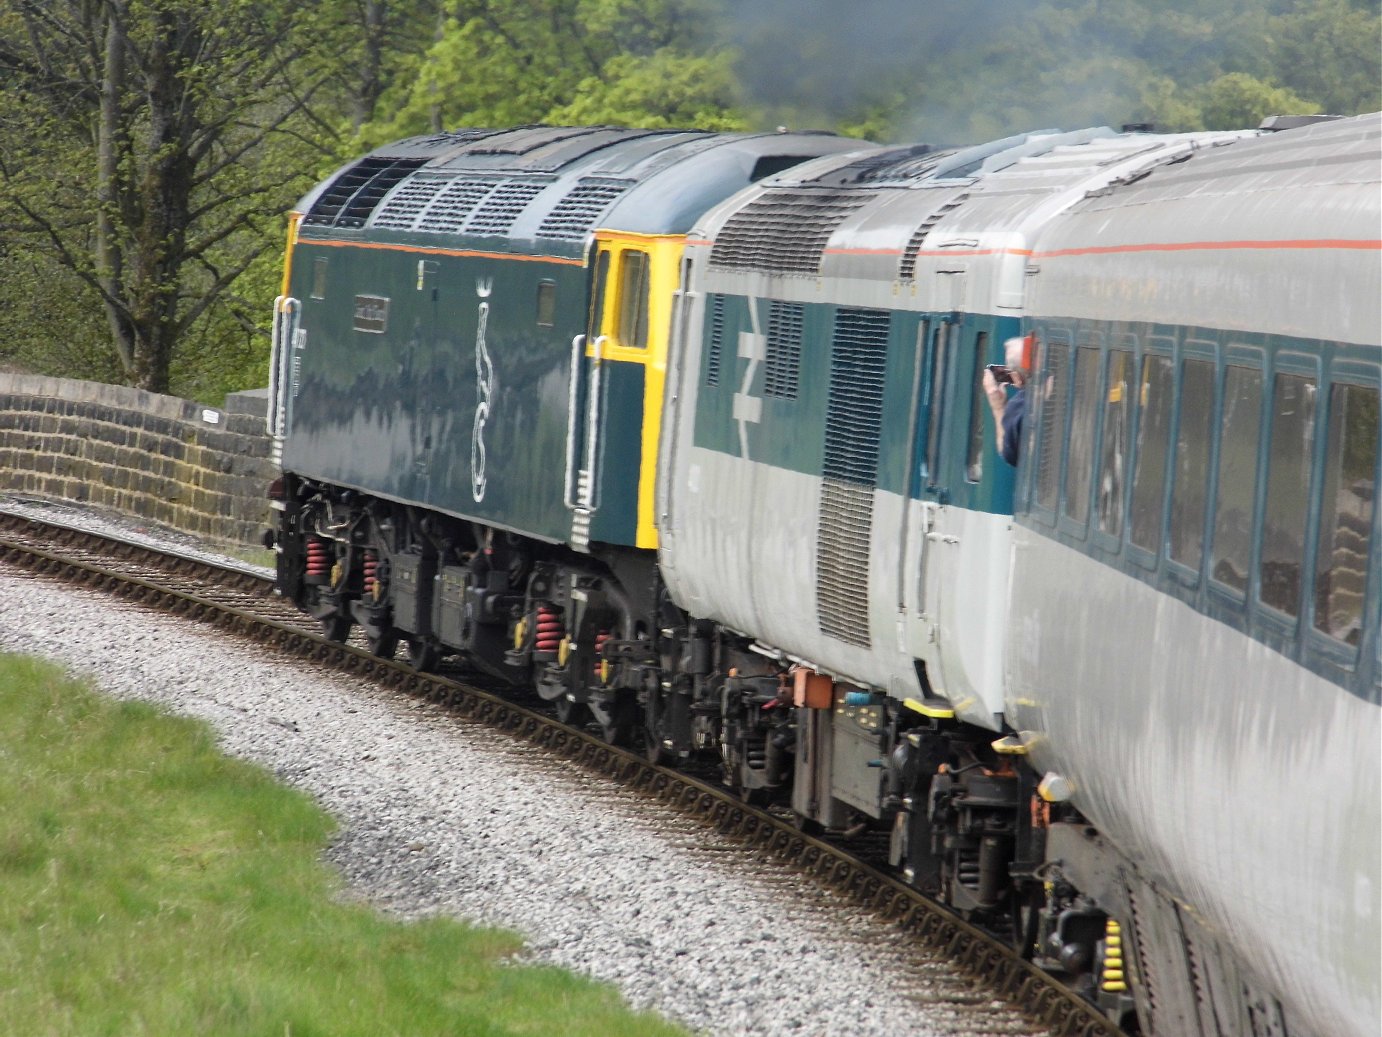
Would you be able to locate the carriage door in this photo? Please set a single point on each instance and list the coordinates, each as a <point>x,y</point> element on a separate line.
<point>924,556</point>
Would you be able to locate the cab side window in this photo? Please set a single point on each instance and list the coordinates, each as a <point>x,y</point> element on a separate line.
<point>632,326</point>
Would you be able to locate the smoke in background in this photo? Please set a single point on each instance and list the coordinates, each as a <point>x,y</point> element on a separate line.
<point>954,71</point>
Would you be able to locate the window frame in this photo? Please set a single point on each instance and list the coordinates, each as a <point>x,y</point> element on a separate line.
<point>1086,342</point>
<point>1111,544</point>
<point>1050,339</point>
<point>546,299</point>
<point>1164,347</point>
<point>1320,647</point>
<point>631,301</point>
<point>1206,352</point>
<point>975,441</point>
<point>1252,358</point>
<point>1270,620</point>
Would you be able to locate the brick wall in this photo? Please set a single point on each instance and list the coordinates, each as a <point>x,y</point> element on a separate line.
<point>170,461</point>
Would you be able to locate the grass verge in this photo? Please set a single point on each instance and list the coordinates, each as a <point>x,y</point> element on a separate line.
<point>153,886</point>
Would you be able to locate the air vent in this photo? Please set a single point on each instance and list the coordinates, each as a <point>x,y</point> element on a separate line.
<point>907,268</point>
<point>434,204</point>
<point>497,213</point>
<point>855,411</point>
<point>782,370</point>
<point>854,421</point>
<point>784,231</point>
<point>354,194</point>
<point>576,214</point>
<point>717,340</point>
<point>409,202</point>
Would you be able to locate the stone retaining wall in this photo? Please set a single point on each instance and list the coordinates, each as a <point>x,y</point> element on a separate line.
<point>170,461</point>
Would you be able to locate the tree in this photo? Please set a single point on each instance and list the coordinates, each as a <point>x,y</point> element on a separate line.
<point>510,62</point>
<point>148,146</point>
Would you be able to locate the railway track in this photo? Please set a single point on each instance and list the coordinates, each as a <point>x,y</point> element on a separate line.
<point>242,603</point>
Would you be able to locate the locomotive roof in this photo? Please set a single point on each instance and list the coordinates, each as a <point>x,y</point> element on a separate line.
<point>893,214</point>
<point>544,188</point>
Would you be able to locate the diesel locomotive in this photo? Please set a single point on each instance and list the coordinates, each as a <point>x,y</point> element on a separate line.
<point>686,431</point>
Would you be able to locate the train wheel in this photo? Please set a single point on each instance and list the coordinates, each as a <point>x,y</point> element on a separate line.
<point>336,627</point>
<point>571,713</point>
<point>620,721</point>
<point>423,654</point>
<point>383,644</point>
<point>653,749</point>
<point>1025,915</point>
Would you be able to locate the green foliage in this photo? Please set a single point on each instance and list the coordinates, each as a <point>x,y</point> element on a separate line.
<point>153,886</point>
<point>635,62</point>
<point>114,272</point>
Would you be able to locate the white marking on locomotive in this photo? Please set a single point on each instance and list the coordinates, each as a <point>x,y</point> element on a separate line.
<point>753,346</point>
<point>484,390</point>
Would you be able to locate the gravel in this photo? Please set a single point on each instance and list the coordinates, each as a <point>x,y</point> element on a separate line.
<point>442,817</point>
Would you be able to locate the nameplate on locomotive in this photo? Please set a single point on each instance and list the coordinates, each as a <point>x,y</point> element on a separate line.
<point>371,314</point>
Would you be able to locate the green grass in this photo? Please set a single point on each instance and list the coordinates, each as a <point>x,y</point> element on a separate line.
<point>151,886</point>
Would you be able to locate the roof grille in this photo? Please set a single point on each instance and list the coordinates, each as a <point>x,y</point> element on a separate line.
<point>784,231</point>
<point>503,205</point>
<point>907,268</point>
<point>576,214</point>
<point>353,195</point>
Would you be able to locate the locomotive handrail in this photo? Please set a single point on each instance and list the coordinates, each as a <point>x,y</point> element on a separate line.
<point>577,497</point>
<point>572,397</point>
<point>286,309</point>
<point>592,429</point>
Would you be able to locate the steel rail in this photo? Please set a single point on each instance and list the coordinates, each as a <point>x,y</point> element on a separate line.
<point>1033,992</point>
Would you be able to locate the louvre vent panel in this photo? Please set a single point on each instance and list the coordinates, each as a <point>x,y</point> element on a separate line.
<point>853,425</point>
<point>453,206</point>
<point>575,215</point>
<point>502,206</point>
<point>353,195</point>
<point>409,202</point>
<point>842,562</point>
<point>717,340</point>
<point>854,414</point>
<point>907,268</point>
<point>783,369</point>
<point>784,231</point>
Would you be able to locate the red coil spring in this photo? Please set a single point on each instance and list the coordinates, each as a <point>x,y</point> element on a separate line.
<point>318,558</point>
<point>371,569</point>
<point>600,640</point>
<point>550,629</point>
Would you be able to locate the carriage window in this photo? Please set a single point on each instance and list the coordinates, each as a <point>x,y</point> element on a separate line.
<point>1052,392</point>
<point>1086,409</point>
<point>1188,491</point>
<point>1288,488</point>
<point>546,303</point>
<point>1153,435</point>
<point>940,347</point>
<point>319,278</point>
<point>1341,561</point>
<point>1237,477</point>
<point>633,299</point>
<point>1117,428</point>
<point>978,407</point>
